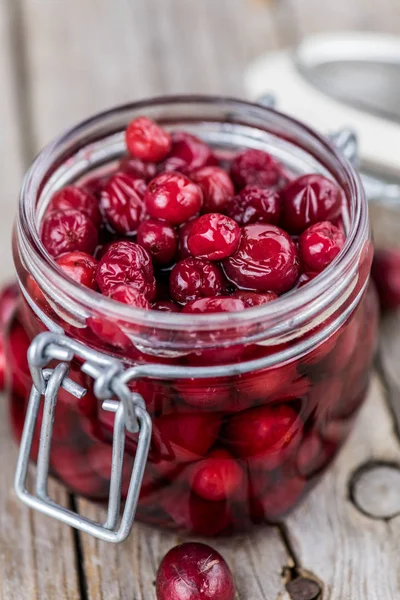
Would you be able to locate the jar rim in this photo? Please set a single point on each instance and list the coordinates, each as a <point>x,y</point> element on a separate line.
<point>306,298</point>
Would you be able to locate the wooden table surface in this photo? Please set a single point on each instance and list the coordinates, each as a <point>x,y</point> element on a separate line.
<point>61,60</point>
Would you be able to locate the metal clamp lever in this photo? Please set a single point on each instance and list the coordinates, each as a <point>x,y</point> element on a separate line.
<point>109,383</point>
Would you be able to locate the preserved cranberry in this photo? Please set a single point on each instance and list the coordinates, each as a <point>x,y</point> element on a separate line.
<point>9,297</point>
<point>122,202</point>
<point>194,278</point>
<point>184,231</point>
<point>311,455</point>
<point>207,394</point>
<point>126,262</point>
<point>320,244</point>
<point>184,437</point>
<point>94,185</point>
<point>166,306</point>
<point>219,476</point>
<point>251,299</point>
<point>147,140</point>
<point>256,167</point>
<point>386,275</point>
<point>309,199</point>
<point>217,188</point>
<point>213,305</point>
<point>255,205</point>
<point>281,496</point>
<point>192,513</point>
<point>80,267</point>
<point>135,166</point>
<point>265,261</point>
<point>68,231</point>
<point>173,197</point>
<point>77,198</point>
<point>213,237</point>
<point>264,436</point>
<point>127,293</point>
<point>194,571</point>
<point>305,278</point>
<point>159,239</point>
<point>188,153</point>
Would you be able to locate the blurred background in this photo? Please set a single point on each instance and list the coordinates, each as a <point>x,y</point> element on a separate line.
<point>61,60</point>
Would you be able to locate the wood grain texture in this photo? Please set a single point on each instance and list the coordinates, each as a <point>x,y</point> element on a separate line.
<point>355,556</point>
<point>128,570</point>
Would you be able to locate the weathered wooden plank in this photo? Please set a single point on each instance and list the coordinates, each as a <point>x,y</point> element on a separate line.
<point>355,555</point>
<point>97,54</point>
<point>128,570</point>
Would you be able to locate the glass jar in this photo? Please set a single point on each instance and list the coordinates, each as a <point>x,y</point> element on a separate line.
<point>212,384</point>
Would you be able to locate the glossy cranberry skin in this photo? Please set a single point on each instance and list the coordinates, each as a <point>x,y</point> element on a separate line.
<point>173,197</point>
<point>320,244</point>
<point>308,200</point>
<point>77,198</point>
<point>256,167</point>
<point>166,306</point>
<point>194,278</point>
<point>188,153</point>
<point>147,140</point>
<point>264,436</point>
<point>122,203</point>
<point>80,267</point>
<point>129,294</point>
<point>218,477</point>
<point>213,305</point>
<point>135,166</point>
<point>265,261</point>
<point>386,275</point>
<point>183,234</point>
<point>213,237</point>
<point>251,299</point>
<point>159,239</point>
<point>305,278</point>
<point>68,231</point>
<point>217,188</point>
<point>255,205</point>
<point>126,262</point>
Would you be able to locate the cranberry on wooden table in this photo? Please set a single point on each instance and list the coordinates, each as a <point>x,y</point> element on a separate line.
<point>194,571</point>
<point>265,261</point>
<point>173,197</point>
<point>213,237</point>
<point>68,230</point>
<point>147,140</point>
<point>255,204</point>
<point>217,188</point>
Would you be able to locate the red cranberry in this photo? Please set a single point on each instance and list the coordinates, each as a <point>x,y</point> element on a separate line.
<point>309,199</point>
<point>147,140</point>
<point>265,261</point>
<point>386,275</point>
<point>194,514</point>
<point>194,278</point>
<point>255,205</point>
<point>122,202</point>
<point>256,167</point>
<point>213,305</point>
<point>305,278</point>
<point>173,197</point>
<point>282,497</point>
<point>251,299</point>
<point>159,239</point>
<point>166,306</point>
<point>77,198</point>
<point>126,262</point>
<point>129,294</point>
<point>217,188</point>
<point>218,476</point>
<point>185,437</point>
<point>135,166</point>
<point>320,244</point>
<point>311,456</point>
<point>188,153</point>
<point>8,302</point>
<point>271,383</point>
<point>194,571</point>
<point>205,394</point>
<point>80,267</point>
<point>265,436</point>
<point>184,231</point>
<point>213,237</point>
<point>94,185</point>
<point>68,231</point>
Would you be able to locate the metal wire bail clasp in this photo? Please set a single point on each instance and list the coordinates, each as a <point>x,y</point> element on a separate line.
<point>110,381</point>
